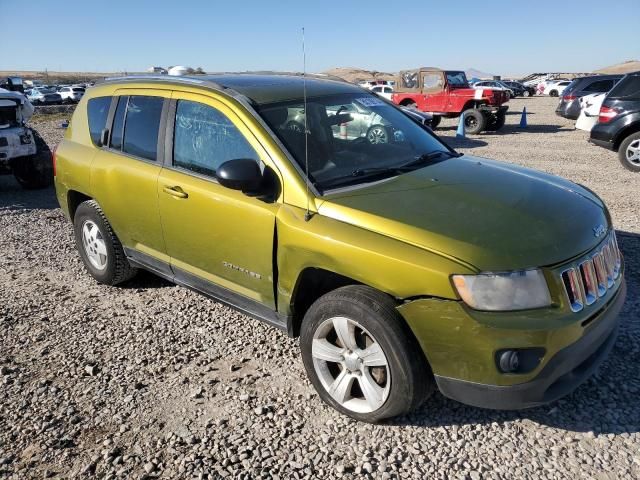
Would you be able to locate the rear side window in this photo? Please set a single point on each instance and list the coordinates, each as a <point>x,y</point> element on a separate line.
<point>97,111</point>
<point>141,126</point>
<point>600,86</point>
<point>204,139</point>
<point>627,88</point>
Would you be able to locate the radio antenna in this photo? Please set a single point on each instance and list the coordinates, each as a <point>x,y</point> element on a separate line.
<point>307,215</point>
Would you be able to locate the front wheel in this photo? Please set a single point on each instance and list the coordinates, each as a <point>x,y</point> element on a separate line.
<point>378,134</point>
<point>361,357</point>
<point>435,121</point>
<point>553,93</point>
<point>526,93</point>
<point>629,152</point>
<point>474,121</point>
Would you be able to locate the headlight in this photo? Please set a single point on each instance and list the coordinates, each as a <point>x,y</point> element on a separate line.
<point>518,290</point>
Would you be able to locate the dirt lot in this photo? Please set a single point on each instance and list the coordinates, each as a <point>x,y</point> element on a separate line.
<point>152,380</point>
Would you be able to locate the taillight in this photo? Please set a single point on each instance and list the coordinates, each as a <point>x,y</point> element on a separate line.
<point>53,159</point>
<point>607,114</point>
<point>569,97</point>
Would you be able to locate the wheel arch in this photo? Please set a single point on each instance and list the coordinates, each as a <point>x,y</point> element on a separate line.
<point>74,199</point>
<point>630,129</point>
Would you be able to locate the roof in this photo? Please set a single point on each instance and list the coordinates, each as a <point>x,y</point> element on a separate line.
<point>261,88</point>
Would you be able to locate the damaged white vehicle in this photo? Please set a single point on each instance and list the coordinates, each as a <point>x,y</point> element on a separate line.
<point>23,152</point>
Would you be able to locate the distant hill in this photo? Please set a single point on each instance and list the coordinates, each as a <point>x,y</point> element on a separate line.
<point>356,75</point>
<point>624,67</point>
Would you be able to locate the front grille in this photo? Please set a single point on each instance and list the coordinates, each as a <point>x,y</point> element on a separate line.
<point>590,279</point>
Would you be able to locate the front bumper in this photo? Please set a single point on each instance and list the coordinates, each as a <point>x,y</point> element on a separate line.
<point>562,374</point>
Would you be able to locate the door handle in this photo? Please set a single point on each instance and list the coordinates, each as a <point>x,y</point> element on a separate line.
<point>175,191</point>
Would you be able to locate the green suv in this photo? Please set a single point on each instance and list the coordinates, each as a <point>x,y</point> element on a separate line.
<point>402,265</point>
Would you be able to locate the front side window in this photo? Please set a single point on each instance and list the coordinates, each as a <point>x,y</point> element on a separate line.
<point>204,139</point>
<point>457,79</point>
<point>97,112</point>
<point>351,138</point>
<point>141,126</point>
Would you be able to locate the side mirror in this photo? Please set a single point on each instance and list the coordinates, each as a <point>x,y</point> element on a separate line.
<point>241,174</point>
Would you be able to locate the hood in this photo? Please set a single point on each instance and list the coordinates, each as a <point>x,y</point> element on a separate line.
<point>487,214</point>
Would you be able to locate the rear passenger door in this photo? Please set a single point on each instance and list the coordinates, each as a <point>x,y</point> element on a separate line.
<point>125,173</point>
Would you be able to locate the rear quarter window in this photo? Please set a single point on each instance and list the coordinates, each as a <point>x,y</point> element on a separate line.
<point>97,112</point>
<point>628,88</point>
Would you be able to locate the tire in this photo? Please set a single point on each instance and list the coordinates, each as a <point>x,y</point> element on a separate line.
<point>629,152</point>
<point>377,134</point>
<point>402,379</point>
<point>435,121</point>
<point>526,93</point>
<point>104,256</point>
<point>553,93</point>
<point>497,121</point>
<point>34,171</point>
<point>474,121</point>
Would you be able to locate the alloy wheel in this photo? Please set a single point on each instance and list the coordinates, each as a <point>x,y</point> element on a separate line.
<point>377,135</point>
<point>94,245</point>
<point>351,365</point>
<point>633,153</point>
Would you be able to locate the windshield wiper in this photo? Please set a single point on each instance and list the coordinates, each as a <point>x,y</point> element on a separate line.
<point>405,167</point>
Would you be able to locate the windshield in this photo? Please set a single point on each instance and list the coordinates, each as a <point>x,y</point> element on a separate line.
<point>352,138</point>
<point>457,79</point>
<point>46,90</point>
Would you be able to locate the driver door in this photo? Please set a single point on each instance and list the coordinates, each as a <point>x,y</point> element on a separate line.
<point>433,86</point>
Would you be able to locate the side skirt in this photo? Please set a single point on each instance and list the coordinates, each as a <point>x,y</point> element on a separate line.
<point>220,294</point>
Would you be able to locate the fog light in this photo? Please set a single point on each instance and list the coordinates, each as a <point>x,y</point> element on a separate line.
<point>509,361</point>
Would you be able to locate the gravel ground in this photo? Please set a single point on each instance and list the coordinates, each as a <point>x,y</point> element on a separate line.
<point>151,380</point>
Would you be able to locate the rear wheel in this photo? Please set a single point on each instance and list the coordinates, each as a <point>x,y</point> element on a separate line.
<point>553,93</point>
<point>34,171</point>
<point>474,121</point>
<point>99,248</point>
<point>629,152</point>
<point>526,93</point>
<point>435,121</point>
<point>361,357</point>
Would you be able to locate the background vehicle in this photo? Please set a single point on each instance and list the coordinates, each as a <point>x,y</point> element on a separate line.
<point>556,88</point>
<point>493,84</point>
<point>618,126</point>
<point>589,111</point>
<point>44,96</point>
<point>22,152</point>
<point>569,106</point>
<point>448,94</point>
<point>382,90</point>
<point>13,84</point>
<point>519,89</point>
<point>71,94</point>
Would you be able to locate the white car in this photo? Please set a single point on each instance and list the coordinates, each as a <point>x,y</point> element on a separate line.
<point>384,91</point>
<point>589,111</point>
<point>71,94</point>
<point>44,96</point>
<point>490,85</point>
<point>555,89</point>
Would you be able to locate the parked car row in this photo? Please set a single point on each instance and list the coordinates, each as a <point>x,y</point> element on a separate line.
<point>55,94</point>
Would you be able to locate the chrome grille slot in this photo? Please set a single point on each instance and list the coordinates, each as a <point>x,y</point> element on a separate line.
<point>573,286</point>
<point>590,278</point>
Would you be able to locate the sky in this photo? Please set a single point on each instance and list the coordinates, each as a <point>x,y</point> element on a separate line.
<point>498,37</point>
